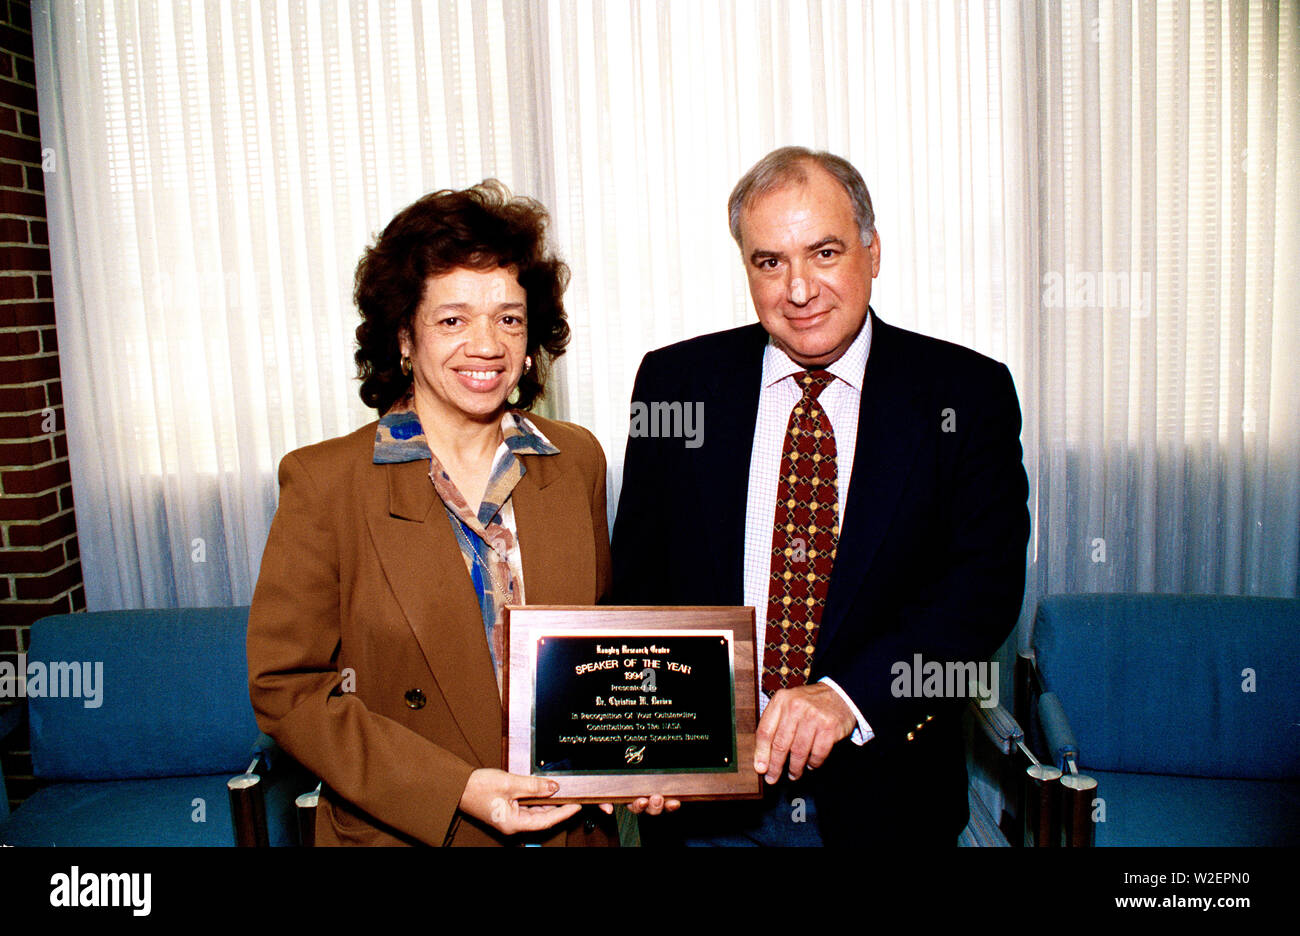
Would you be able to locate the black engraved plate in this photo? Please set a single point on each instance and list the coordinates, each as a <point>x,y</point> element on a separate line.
<point>664,703</point>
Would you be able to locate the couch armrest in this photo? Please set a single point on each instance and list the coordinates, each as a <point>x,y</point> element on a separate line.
<point>1078,791</point>
<point>1056,726</point>
<point>997,761</point>
<point>11,716</point>
<point>999,726</point>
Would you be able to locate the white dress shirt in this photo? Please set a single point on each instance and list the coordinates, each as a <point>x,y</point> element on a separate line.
<point>840,400</point>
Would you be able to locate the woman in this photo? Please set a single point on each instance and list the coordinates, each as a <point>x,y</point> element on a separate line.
<point>375,633</point>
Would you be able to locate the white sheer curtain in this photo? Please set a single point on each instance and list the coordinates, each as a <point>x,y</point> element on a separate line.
<point>222,165</point>
<point>659,109</point>
<point>1164,412</point>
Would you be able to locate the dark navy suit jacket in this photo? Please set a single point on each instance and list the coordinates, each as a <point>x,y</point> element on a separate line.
<point>931,559</point>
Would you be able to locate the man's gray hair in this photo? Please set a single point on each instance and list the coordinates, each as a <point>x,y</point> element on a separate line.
<point>787,166</point>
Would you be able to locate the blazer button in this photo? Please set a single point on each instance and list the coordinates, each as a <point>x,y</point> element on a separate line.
<point>415,699</point>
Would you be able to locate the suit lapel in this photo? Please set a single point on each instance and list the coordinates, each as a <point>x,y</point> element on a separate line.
<point>732,393</point>
<point>890,427</point>
<point>426,573</point>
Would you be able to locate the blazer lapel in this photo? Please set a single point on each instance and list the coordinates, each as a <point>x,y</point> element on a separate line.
<point>889,434</point>
<point>426,573</point>
<point>557,518</point>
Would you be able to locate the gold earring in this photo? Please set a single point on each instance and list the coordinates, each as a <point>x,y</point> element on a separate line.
<point>406,365</point>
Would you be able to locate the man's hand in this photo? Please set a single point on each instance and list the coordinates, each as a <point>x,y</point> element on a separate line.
<point>493,796</point>
<point>650,805</point>
<point>803,723</point>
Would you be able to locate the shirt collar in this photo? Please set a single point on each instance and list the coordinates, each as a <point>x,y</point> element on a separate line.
<point>400,437</point>
<point>850,367</point>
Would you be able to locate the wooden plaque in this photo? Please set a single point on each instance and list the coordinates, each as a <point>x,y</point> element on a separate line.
<point>615,703</point>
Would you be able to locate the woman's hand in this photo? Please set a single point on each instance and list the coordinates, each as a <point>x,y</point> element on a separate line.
<point>493,796</point>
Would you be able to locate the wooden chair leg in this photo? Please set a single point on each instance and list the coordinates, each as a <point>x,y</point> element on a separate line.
<point>248,810</point>
<point>1078,792</point>
<point>306,809</point>
<point>1041,806</point>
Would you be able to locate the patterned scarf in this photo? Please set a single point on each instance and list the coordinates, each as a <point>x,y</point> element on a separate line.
<point>487,537</point>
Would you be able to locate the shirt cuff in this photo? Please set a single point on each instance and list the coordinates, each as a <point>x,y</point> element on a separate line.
<point>861,734</point>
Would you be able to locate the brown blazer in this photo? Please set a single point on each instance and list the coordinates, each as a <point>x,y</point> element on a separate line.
<point>367,658</point>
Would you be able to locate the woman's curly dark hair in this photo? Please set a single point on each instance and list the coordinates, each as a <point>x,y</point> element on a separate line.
<point>481,228</point>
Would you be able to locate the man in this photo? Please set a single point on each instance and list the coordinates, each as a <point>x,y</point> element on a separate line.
<point>906,447</point>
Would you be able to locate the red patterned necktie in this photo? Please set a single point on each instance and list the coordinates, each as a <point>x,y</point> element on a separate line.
<point>804,537</point>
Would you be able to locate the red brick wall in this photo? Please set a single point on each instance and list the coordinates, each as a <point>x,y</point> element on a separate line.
<point>39,570</point>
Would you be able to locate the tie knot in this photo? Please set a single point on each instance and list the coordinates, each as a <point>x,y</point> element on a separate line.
<point>813,382</point>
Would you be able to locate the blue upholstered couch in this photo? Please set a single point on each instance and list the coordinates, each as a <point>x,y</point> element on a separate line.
<point>141,754</point>
<point>1186,710</point>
